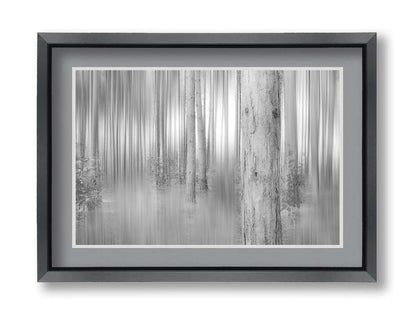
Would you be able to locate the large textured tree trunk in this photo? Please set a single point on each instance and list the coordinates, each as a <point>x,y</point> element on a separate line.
<point>260,157</point>
<point>190,136</point>
<point>202,163</point>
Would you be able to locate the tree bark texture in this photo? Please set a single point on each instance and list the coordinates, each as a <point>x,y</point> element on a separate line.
<point>190,137</point>
<point>260,157</point>
<point>202,163</point>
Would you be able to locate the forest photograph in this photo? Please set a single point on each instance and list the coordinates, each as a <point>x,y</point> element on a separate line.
<point>181,157</point>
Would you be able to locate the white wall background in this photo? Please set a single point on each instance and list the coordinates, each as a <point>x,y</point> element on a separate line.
<point>395,23</point>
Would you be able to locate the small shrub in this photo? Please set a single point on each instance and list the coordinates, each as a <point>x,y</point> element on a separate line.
<point>88,184</point>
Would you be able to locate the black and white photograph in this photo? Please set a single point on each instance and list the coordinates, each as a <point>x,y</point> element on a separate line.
<point>207,157</point>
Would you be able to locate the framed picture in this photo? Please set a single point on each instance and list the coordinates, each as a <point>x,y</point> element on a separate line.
<point>207,157</point>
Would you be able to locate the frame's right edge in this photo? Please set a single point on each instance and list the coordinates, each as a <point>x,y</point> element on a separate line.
<point>370,157</point>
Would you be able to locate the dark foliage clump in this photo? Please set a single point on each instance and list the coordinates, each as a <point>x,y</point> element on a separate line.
<point>88,184</point>
<point>294,182</point>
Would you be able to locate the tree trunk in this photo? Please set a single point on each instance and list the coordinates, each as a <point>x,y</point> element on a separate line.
<point>190,136</point>
<point>211,135</point>
<point>202,164</point>
<point>160,131</point>
<point>260,157</point>
<point>182,173</point>
<point>291,137</point>
<point>238,113</point>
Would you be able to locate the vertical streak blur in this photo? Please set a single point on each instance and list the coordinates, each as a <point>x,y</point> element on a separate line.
<point>131,151</point>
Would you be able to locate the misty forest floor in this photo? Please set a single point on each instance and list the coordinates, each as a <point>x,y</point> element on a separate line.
<point>150,215</point>
<point>162,217</point>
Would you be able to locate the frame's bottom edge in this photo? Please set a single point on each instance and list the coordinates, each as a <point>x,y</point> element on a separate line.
<point>207,276</point>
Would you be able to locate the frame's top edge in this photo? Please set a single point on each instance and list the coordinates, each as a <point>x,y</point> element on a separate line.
<point>206,39</point>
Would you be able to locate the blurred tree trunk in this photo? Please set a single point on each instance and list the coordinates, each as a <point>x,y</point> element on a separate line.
<point>291,138</point>
<point>212,124</point>
<point>159,127</point>
<point>238,114</point>
<point>202,164</point>
<point>259,156</point>
<point>190,136</point>
<point>182,114</point>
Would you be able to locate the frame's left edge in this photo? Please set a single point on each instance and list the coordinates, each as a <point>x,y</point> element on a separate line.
<point>43,158</point>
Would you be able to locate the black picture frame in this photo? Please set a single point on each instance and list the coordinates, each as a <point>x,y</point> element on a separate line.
<point>367,42</point>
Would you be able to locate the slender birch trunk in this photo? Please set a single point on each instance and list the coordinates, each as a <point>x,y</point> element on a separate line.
<point>291,136</point>
<point>190,136</point>
<point>202,164</point>
<point>211,136</point>
<point>238,113</point>
<point>157,126</point>
<point>260,157</point>
<point>182,173</point>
